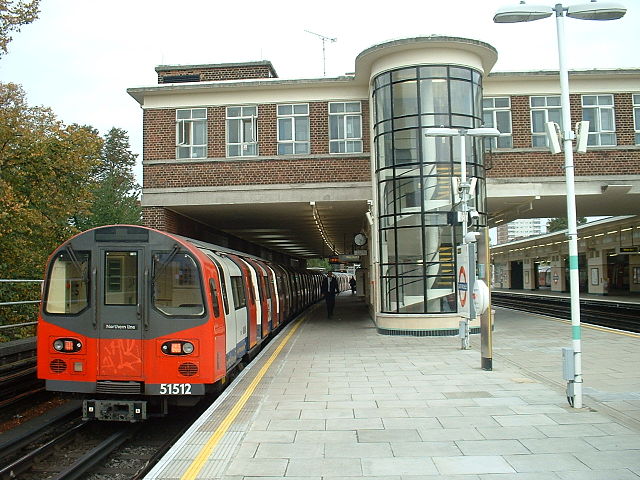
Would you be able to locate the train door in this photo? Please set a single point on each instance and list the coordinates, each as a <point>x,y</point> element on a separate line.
<point>120,310</point>
<point>517,281</point>
<point>244,297</point>
<point>272,282</point>
<point>238,304</point>
<point>230,323</point>
<point>262,296</point>
<point>270,300</point>
<point>255,301</point>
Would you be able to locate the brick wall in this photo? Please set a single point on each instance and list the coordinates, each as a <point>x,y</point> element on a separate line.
<point>319,126</point>
<point>258,172</point>
<point>267,130</point>
<point>160,218</point>
<point>158,134</point>
<point>625,132</point>
<point>220,72</point>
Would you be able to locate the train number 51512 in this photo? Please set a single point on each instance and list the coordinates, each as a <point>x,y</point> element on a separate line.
<point>175,389</point>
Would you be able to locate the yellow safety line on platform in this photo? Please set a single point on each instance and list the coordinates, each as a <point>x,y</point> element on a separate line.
<point>197,464</point>
<point>591,327</point>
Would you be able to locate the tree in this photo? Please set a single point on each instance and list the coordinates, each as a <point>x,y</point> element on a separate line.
<point>560,223</point>
<point>115,197</point>
<point>12,16</point>
<point>45,180</point>
<point>319,263</point>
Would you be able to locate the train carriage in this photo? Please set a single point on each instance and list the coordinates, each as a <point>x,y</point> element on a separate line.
<point>136,319</point>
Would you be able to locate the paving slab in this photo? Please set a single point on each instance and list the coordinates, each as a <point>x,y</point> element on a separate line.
<point>341,401</point>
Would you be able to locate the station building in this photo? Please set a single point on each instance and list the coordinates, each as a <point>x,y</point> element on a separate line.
<point>608,259</point>
<point>293,169</point>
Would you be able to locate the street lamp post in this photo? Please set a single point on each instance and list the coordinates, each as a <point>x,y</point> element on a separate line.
<point>588,11</point>
<point>465,189</point>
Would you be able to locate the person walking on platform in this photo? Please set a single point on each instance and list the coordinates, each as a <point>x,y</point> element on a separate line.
<point>352,283</point>
<point>329,289</point>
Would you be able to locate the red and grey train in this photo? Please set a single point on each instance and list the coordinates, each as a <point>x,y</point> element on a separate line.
<point>136,319</point>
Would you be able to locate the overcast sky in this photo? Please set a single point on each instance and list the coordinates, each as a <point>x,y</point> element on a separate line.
<point>80,56</point>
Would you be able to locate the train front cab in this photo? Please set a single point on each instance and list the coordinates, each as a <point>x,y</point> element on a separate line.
<point>124,320</point>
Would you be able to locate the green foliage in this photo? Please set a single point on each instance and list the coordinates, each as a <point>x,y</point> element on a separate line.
<point>115,197</point>
<point>560,223</point>
<point>45,180</point>
<point>318,263</point>
<point>12,16</point>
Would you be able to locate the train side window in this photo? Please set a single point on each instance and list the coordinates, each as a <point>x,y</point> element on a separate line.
<point>223,283</point>
<point>68,284</point>
<point>177,290</point>
<point>237,287</point>
<point>214,297</point>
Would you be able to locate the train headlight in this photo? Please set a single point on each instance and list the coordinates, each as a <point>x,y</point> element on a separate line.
<point>177,347</point>
<point>67,345</point>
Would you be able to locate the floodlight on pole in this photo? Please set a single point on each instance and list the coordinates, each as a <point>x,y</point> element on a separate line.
<point>466,252</point>
<point>589,11</point>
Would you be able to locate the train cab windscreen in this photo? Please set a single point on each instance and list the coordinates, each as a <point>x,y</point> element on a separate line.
<point>176,285</point>
<point>68,284</point>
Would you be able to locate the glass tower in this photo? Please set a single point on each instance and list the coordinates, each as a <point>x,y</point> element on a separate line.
<point>416,181</point>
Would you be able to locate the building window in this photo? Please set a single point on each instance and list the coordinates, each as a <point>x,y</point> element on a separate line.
<point>191,133</point>
<point>242,131</point>
<point>345,127</point>
<point>543,110</point>
<point>636,117</point>
<point>293,129</point>
<point>497,114</point>
<point>598,110</point>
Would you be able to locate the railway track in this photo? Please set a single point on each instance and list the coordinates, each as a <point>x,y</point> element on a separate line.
<point>618,315</point>
<point>18,371</point>
<point>69,448</point>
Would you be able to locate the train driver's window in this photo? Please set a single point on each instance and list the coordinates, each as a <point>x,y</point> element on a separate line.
<point>68,284</point>
<point>176,285</point>
<point>121,278</point>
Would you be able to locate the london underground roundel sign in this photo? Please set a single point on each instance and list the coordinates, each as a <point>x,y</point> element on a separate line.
<point>463,286</point>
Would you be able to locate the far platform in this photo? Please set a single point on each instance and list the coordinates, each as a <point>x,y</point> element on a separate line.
<point>331,399</point>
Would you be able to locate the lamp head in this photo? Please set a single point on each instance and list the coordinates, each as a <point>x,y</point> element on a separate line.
<point>522,13</point>
<point>441,132</point>
<point>484,132</point>
<point>597,11</point>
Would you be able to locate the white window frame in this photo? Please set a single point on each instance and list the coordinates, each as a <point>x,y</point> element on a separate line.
<point>489,116</point>
<point>248,116</point>
<point>547,103</point>
<point>298,147</point>
<point>344,113</point>
<point>187,120</point>
<point>596,133</point>
<point>636,116</point>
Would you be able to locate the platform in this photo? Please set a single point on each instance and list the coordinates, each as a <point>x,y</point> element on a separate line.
<point>332,399</point>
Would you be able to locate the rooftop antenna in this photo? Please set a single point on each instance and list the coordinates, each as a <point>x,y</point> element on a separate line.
<point>324,59</point>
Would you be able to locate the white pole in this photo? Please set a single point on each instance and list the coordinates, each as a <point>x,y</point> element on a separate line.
<point>464,200</point>
<point>464,187</point>
<point>572,228</point>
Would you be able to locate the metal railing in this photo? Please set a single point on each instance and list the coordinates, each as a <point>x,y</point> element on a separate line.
<point>4,326</point>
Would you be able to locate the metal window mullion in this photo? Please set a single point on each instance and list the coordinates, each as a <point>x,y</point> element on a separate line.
<point>395,206</point>
<point>422,183</point>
